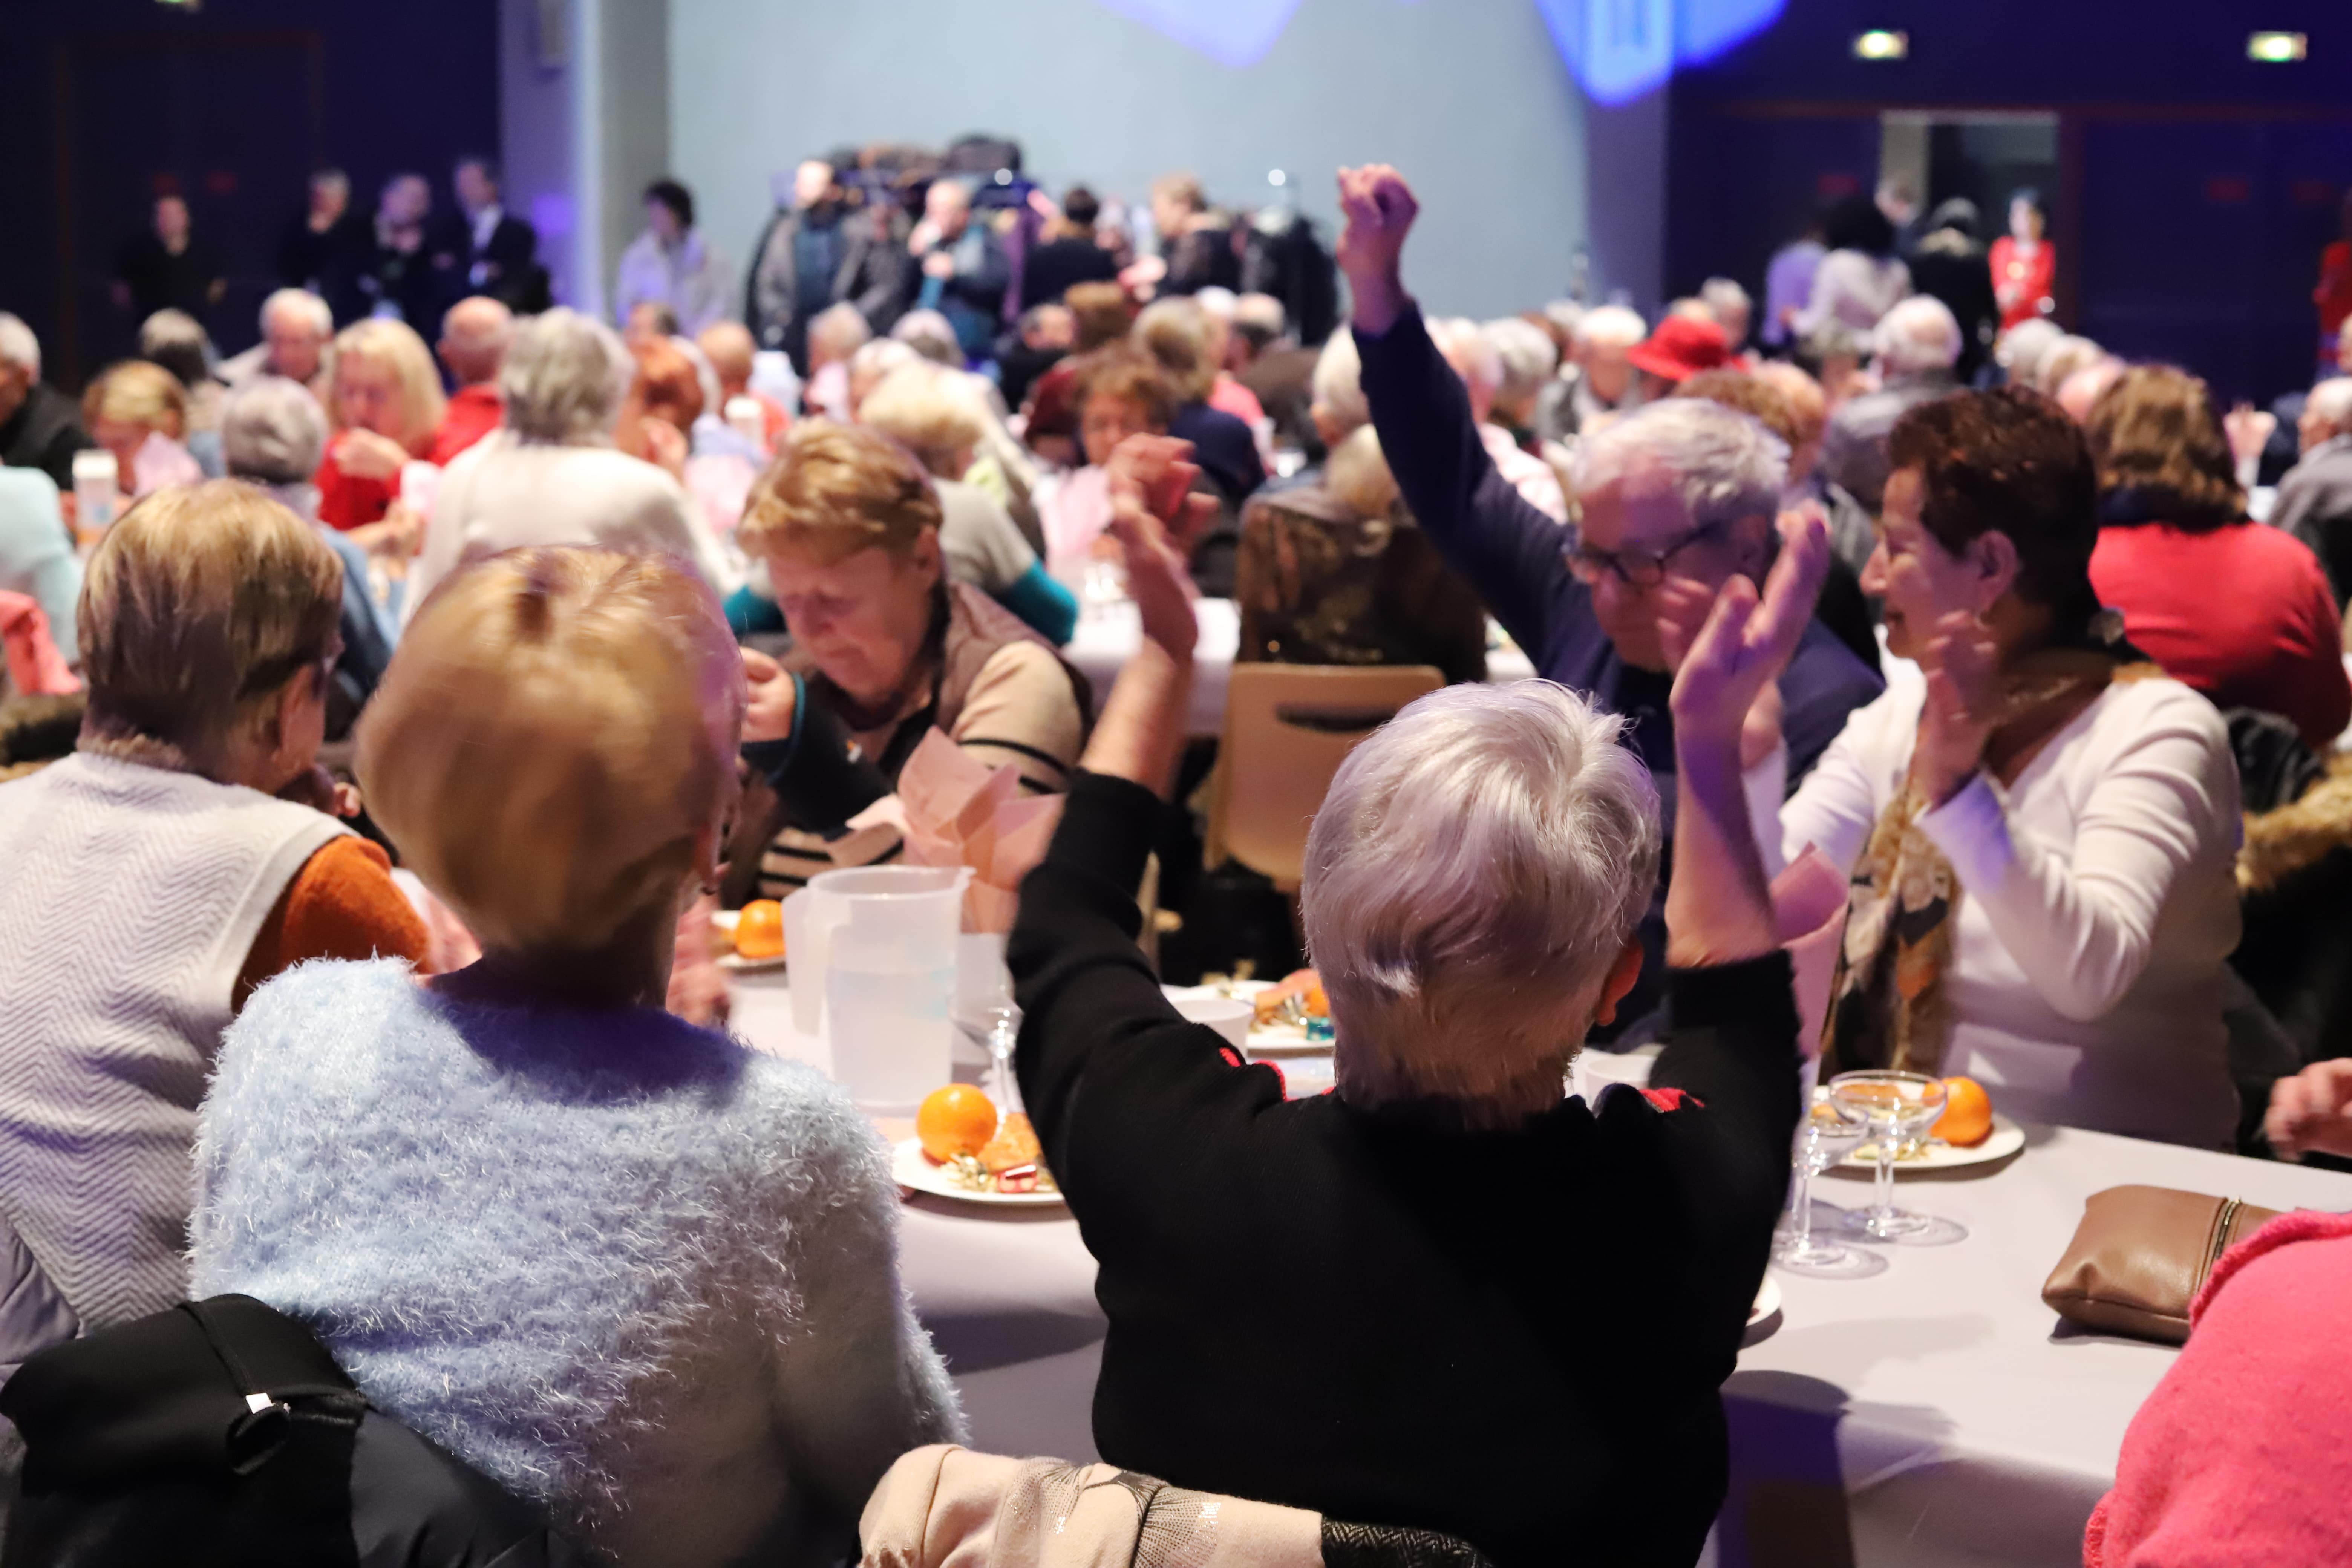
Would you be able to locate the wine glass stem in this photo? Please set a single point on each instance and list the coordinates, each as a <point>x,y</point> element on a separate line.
<point>1882,1206</point>
<point>1804,1225</point>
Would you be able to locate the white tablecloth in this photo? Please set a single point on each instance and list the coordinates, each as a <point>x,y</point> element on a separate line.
<point>1107,636</point>
<point>1932,1416</point>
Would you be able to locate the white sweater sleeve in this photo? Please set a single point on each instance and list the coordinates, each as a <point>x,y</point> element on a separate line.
<point>2079,914</point>
<point>1836,806</point>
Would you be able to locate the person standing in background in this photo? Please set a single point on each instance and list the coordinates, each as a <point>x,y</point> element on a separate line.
<point>397,280</point>
<point>2024,263</point>
<point>40,427</point>
<point>323,250</point>
<point>1789,284</point>
<point>1068,253</point>
<point>495,254</point>
<point>2333,295</point>
<point>962,271</point>
<point>819,252</point>
<point>165,269</point>
<point>1950,264</point>
<point>671,263</point>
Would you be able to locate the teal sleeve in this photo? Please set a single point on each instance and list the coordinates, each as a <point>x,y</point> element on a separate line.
<point>749,613</point>
<point>1044,603</point>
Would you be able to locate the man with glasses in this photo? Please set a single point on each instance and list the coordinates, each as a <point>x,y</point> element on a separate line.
<point>1667,504</point>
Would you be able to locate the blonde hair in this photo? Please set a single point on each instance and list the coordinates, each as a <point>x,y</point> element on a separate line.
<point>557,728</point>
<point>138,392</point>
<point>1358,473</point>
<point>397,347</point>
<point>199,603</point>
<point>932,411</point>
<point>835,490</point>
<point>1176,332</point>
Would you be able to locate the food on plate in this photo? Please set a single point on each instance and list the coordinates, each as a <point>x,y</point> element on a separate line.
<point>954,1121</point>
<point>1298,998</point>
<point>1015,1143</point>
<point>1967,1120</point>
<point>760,930</point>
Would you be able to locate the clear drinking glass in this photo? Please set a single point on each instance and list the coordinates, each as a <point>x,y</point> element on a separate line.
<point>1896,1106</point>
<point>1827,1135</point>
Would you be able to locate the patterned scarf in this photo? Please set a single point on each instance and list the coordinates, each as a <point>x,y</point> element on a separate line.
<point>1886,1008</point>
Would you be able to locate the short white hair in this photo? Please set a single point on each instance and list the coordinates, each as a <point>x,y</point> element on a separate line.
<point>312,310</point>
<point>842,330</point>
<point>272,431</point>
<point>1478,865</point>
<point>1465,348</point>
<point>1610,327</point>
<point>1724,293</point>
<point>1566,315</point>
<point>1338,385</point>
<point>564,378</point>
<point>1919,334</point>
<point>2021,347</point>
<point>2331,400</point>
<point>1217,300</point>
<point>881,356</point>
<point>18,346</point>
<point>931,335</point>
<point>1526,352</point>
<point>1723,464</point>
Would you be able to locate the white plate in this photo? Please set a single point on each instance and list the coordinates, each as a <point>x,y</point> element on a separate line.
<point>2005,1139</point>
<point>910,1167</point>
<point>742,965</point>
<point>1767,1301</point>
<point>1264,1040</point>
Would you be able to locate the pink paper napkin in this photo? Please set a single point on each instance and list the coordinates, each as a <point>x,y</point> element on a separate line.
<point>961,812</point>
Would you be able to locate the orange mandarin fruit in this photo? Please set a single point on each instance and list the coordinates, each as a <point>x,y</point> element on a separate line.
<point>956,1120</point>
<point>760,930</point>
<point>1967,1120</point>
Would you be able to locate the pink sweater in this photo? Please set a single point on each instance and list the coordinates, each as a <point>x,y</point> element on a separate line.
<point>2240,1456</point>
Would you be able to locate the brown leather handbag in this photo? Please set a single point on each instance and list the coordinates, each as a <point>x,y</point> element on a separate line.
<point>2141,1255</point>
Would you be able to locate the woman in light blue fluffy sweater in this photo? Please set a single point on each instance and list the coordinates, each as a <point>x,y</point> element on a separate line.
<point>614,1260</point>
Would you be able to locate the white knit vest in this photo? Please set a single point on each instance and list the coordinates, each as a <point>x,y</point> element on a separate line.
<point>130,897</point>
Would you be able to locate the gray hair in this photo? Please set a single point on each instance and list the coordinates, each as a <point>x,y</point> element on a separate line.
<point>2021,347</point>
<point>1565,315</point>
<point>273,431</point>
<point>564,379</point>
<point>1526,352</point>
<point>2331,400</point>
<point>880,357</point>
<point>1610,327</point>
<point>1719,294</point>
<point>841,329</point>
<point>1723,464</point>
<point>313,309</point>
<point>1917,335</point>
<point>1465,348</point>
<point>1338,385</point>
<point>18,346</point>
<point>931,335</point>
<point>1476,869</point>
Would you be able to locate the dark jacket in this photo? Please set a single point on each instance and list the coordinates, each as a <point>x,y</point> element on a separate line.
<point>1052,268</point>
<point>872,274</point>
<point>45,433</point>
<point>1518,1337</point>
<point>222,1432</point>
<point>2314,504</point>
<point>506,270</point>
<point>1511,554</point>
<point>1226,449</point>
<point>1952,267</point>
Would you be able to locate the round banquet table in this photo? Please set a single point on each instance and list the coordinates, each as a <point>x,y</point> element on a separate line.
<point>1936,1416</point>
<point>1109,635</point>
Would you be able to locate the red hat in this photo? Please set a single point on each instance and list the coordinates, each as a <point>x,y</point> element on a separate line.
<point>1680,348</point>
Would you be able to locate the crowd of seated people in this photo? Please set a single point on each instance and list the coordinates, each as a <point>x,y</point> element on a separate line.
<point>340,946</point>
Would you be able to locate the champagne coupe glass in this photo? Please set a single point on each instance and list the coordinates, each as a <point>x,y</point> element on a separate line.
<point>1898,1107</point>
<point>1827,1135</point>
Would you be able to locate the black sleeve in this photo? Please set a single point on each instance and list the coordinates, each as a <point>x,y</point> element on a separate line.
<point>1510,552</point>
<point>1733,1051</point>
<point>1094,1024</point>
<point>818,780</point>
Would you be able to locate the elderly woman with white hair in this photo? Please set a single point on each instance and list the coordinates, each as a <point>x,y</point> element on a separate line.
<point>1448,1216</point>
<point>550,474</point>
<point>1598,378</point>
<point>273,434</point>
<point>1470,349</point>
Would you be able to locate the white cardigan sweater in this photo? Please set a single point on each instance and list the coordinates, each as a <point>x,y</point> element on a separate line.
<point>2098,904</point>
<point>620,1264</point>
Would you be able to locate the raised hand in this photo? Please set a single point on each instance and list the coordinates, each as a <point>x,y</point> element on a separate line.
<point>1163,470</point>
<point>1747,640</point>
<point>2311,1112</point>
<point>1380,209</point>
<point>1963,667</point>
<point>1156,579</point>
<point>768,711</point>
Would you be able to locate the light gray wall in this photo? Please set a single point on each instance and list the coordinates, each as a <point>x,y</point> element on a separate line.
<point>1469,98</point>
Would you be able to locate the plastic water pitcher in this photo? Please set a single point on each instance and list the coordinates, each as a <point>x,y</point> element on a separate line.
<point>97,495</point>
<point>872,959</point>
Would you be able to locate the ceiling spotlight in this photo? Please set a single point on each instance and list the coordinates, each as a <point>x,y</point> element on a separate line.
<point>1880,43</point>
<point>2276,48</point>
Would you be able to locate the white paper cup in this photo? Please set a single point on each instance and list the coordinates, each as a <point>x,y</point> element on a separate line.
<point>1227,1017</point>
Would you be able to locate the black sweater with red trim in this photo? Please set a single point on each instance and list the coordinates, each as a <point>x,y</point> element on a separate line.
<point>1516,1338</point>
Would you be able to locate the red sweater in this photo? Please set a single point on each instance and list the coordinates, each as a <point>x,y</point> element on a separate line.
<point>2238,1459</point>
<point>2243,614</point>
<point>347,501</point>
<point>473,413</point>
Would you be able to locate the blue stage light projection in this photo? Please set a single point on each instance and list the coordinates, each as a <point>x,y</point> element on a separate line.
<point>1619,49</point>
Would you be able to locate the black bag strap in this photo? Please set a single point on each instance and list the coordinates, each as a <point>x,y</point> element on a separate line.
<point>257,1434</point>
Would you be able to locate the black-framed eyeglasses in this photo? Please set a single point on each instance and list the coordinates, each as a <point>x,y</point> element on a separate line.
<point>1636,568</point>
